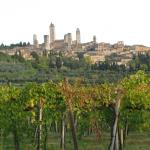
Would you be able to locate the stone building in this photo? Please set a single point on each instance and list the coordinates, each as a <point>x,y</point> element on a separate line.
<point>78,37</point>
<point>141,49</point>
<point>94,39</point>
<point>94,56</point>
<point>103,46</point>
<point>35,41</point>
<point>52,33</point>
<point>25,54</point>
<point>58,44</point>
<point>119,46</point>
<point>68,39</point>
<point>46,42</point>
<point>65,44</point>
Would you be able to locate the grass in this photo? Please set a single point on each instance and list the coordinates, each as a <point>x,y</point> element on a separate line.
<point>134,142</point>
<point>138,141</point>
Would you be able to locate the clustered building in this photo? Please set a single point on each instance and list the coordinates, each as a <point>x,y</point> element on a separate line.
<point>51,43</point>
<point>97,52</point>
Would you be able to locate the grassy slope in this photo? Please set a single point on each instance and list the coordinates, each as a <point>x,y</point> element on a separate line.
<point>134,142</point>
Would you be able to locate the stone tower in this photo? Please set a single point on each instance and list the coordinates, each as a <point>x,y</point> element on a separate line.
<point>35,41</point>
<point>94,39</point>
<point>52,33</point>
<point>66,38</point>
<point>69,40</point>
<point>46,42</point>
<point>78,38</point>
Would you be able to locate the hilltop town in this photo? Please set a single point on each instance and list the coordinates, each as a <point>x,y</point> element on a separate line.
<point>95,51</point>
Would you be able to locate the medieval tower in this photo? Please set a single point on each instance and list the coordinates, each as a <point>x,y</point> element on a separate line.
<point>52,33</point>
<point>69,40</point>
<point>35,41</point>
<point>94,38</point>
<point>78,38</point>
<point>46,42</point>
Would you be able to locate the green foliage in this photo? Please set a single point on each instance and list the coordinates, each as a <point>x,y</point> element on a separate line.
<point>51,101</point>
<point>140,62</point>
<point>137,90</point>
<point>13,117</point>
<point>35,56</point>
<point>136,101</point>
<point>92,106</point>
<point>58,62</point>
<point>11,46</point>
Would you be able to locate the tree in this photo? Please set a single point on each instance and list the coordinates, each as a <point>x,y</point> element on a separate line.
<point>28,44</point>
<point>69,93</point>
<point>35,56</point>
<point>13,118</point>
<point>24,44</point>
<point>135,101</point>
<point>59,62</point>
<point>46,102</point>
<point>20,44</point>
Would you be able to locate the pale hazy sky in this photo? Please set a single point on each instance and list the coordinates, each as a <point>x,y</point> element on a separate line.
<point>109,20</point>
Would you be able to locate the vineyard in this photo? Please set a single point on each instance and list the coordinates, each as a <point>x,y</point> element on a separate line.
<point>75,116</point>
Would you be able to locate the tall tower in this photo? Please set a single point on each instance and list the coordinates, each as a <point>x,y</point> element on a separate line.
<point>66,38</point>
<point>52,33</point>
<point>35,41</point>
<point>94,39</point>
<point>46,42</point>
<point>69,40</point>
<point>78,38</point>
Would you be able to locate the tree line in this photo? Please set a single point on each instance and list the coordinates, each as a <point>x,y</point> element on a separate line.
<point>11,46</point>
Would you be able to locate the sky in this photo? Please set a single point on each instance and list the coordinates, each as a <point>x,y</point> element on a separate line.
<point>109,20</point>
